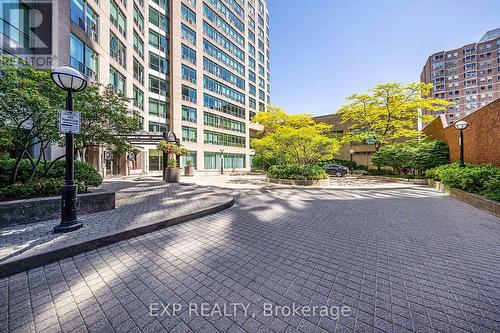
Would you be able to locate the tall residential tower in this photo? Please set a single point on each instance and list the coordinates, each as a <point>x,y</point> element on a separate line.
<point>197,67</point>
<point>468,76</point>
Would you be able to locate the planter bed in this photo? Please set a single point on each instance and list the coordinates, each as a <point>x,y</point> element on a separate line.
<point>46,208</point>
<point>300,182</point>
<point>490,206</point>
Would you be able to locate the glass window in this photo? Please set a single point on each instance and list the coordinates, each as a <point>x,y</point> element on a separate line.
<point>138,71</point>
<point>158,63</point>
<point>223,25</point>
<point>83,58</point>
<point>190,157</point>
<point>188,134</point>
<point>223,57</point>
<point>138,45</point>
<point>158,86</point>
<point>188,54</point>
<point>251,76</point>
<point>138,97</point>
<point>223,41</point>
<point>189,114</point>
<point>158,19</point>
<point>188,34</point>
<point>117,18</point>
<point>117,81</point>
<point>118,51</point>
<point>222,89</point>
<point>189,94</point>
<point>158,41</point>
<point>188,74</point>
<point>138,19</point>
<point>222,73</point>
<point>215,103</point>
<point>187,14</point>
<point>158,108</point>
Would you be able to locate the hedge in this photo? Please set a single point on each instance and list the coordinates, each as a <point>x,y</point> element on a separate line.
<point>297,172</point>
<point>412,157</point>
<point>481,179</point>
<point>41,187</point>
<point>84,172</point>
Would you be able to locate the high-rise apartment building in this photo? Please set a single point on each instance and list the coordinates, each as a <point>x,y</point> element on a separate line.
<point>468,76</point>
<point>197,67</point>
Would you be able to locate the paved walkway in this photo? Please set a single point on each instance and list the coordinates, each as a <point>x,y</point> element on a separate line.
<point>401,259</point>
<point>139,202</point>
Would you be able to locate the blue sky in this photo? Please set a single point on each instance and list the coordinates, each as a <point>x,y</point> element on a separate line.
<point>324,50</point>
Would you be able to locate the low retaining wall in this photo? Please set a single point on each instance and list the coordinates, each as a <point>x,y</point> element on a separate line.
<point>46,208</point>
<point>415,181</point>
<point>472,199</point>
<point>300,182</point>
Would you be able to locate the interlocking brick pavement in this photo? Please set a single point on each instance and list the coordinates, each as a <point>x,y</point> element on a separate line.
<point>403,259</point>
<point>139,201</point>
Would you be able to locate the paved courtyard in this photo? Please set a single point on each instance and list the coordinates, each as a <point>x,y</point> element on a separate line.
<point>397,258</point>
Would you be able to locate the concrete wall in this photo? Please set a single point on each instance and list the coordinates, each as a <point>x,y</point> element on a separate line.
<point>481,137</point>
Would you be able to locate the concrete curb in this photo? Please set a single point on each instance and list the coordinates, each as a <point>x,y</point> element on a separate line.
<point>17,265</point>
<point>482,203</point>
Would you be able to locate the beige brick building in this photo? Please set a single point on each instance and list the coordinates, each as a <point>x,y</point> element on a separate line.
<point>200,68</point>
<point>469,76</point>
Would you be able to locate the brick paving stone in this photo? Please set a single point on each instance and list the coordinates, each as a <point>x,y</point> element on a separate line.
<point>138,202</point>
<point>404,259</point>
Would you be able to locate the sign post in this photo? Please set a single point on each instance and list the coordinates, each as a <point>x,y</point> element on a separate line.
<point>69,122</point>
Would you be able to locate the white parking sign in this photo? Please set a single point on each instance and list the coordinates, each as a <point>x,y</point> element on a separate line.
<point>69,122</point>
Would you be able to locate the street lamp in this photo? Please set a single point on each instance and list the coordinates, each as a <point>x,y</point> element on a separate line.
<point>461,125</point>
<point>351,166</point>
<point>222,161</point>
<point>72,81</point>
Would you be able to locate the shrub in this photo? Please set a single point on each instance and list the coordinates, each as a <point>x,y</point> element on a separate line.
<point>41,187</point>
<point>412,156</point>
<point>84,172</point>
<point>302,172</point>
<point>481,179</point>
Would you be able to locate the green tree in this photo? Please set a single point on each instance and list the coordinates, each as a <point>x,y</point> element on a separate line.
<point>388,112</point>
<point>29,110</point>
<point>105,118</point>
<point>30,104</point>
<point>414,156</point>
<point>292,139</point>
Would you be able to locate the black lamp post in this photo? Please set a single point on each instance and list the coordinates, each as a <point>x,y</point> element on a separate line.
<point>170,137</point>
<point>72,81</point>
<point>461,125</point>
<point>351,166</point>
<point>222,161</point>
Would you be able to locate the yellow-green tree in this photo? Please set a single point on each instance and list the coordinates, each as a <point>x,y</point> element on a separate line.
<point>389,111</point>
<point>292,139</point>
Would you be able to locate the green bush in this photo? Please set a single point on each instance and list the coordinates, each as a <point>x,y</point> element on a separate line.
<point>84,172</point>
<point>481,179</point>
<point>298,172</point>
<point>412,157</point>
<point>41,187</point>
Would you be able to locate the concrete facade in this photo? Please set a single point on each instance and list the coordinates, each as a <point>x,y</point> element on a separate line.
<point>468,76</point>
<point>169,56</point>
<point>363,152</point>
<point>481,137</point>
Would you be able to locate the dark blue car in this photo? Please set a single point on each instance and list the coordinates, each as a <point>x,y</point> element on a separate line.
<point>336,170</point>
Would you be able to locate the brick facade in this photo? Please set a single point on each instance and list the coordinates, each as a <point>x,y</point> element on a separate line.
<point>481,137</point>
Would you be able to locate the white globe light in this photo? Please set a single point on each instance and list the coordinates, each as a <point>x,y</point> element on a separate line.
<point>461,125</point>
<point>69,79</point>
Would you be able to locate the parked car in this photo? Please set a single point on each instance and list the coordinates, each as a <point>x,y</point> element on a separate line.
<point>336,170</point>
